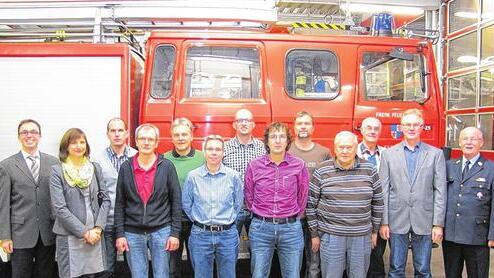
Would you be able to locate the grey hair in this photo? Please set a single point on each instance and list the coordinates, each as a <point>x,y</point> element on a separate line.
<point>147,127</point>
<point>368,119</point>
<point>478,130</point>
<point>346,133</point>
<point>182,122</point>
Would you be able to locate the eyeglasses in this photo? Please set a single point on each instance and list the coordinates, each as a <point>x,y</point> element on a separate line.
<point>26,132</point>
<point>243,121</point>
<point>280,137</point>
<point>148,139</point>
<point>211,149</point>
<point>471,139</point>
<point>411,125</point>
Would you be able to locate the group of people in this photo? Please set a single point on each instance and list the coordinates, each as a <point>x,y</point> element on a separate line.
<point>334,212</point>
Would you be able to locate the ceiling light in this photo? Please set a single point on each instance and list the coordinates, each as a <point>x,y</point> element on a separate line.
<point>472,15</point>
<point>368,8</point>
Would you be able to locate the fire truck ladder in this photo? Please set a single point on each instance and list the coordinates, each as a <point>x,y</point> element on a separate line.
<point>123,21</point>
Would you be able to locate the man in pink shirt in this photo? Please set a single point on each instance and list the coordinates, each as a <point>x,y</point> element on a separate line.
<point>276,189</point>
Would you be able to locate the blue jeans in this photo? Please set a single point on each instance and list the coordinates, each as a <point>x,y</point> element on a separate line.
<point>137,257</point>
<point>340,253</point>
<point>207,247</point>
<point>288,239</point>
<point>421,252</point>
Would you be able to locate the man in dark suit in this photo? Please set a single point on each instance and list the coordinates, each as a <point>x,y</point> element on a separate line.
<point>25,210</point>
<point>469,229</point>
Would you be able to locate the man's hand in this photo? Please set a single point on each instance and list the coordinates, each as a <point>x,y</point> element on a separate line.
<point>490,243</point>
<point>374,240</point>
<point>384,232</point>
<point>122,245</point>
<point>172,244</point>
<point>8,246</point>
<point>437,234</point>
<point>316,244</point>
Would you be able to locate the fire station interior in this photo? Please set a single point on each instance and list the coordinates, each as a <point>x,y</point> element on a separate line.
<point>461,32</point>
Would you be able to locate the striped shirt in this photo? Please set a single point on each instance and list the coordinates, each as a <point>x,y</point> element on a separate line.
<point>212,198</point>
<point>345,202</point>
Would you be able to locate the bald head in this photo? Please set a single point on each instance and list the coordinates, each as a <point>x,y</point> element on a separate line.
<point>371,131</point>
<point>244,123</point>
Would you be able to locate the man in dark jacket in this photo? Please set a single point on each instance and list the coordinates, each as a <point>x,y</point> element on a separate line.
<point>148,207</point>
<point>469,226</point>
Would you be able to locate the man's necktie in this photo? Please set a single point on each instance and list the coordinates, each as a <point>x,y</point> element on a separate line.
<point>465,169</point>
<point>34,167</point>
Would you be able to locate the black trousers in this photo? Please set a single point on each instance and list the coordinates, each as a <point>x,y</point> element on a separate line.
<point>179,268</point>
<point>38,262</point>
<point>5,269</point>
<point>476,258</point>
<point>376,266</point>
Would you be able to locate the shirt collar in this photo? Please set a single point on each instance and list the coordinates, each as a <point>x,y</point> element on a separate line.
<point>472,161</point>
<point>114,154</point>
<point>417,147</point>
<point>286,159</point>
<point>365,149</point>
<point>238,144</point>
<point>190,154</point>
<point>356,164</point>
<point>26,155</point>
<point>205,171</point>
<point>138,167</point>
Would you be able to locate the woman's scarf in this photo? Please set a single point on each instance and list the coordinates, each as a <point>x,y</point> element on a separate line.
<point>78,176</point>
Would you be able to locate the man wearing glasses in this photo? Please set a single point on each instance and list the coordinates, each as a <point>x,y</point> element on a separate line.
<point>413,174</point>
<point>469,229</point>
<point>241,150</point>
<point>212,198</point>
<point>148,207</point>
<point>369,150</point>
<point>276,190</point>
<point>25,206</point>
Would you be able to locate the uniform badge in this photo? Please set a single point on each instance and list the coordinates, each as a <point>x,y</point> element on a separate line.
<point>480,163</point>
<point>396,132</point>
<point>480,179</point>
<point>480,195</point>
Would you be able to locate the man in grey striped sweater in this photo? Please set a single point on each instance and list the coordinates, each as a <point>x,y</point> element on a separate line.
<point>344,210</point>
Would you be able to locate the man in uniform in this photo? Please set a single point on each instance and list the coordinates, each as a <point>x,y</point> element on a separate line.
<point>469,225</point>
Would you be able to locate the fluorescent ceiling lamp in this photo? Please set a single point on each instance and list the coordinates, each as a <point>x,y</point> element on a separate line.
<point>473,15</point>
<point>467,59</point>
<point>369,8</point>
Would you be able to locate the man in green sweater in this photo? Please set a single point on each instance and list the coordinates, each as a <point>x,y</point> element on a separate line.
<point>184,158</point>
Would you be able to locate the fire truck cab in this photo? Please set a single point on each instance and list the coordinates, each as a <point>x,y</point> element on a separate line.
<point>207,75</point>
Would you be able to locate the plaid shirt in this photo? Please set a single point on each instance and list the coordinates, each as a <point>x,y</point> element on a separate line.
<point>238,155</point>
<point>116,160</point>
